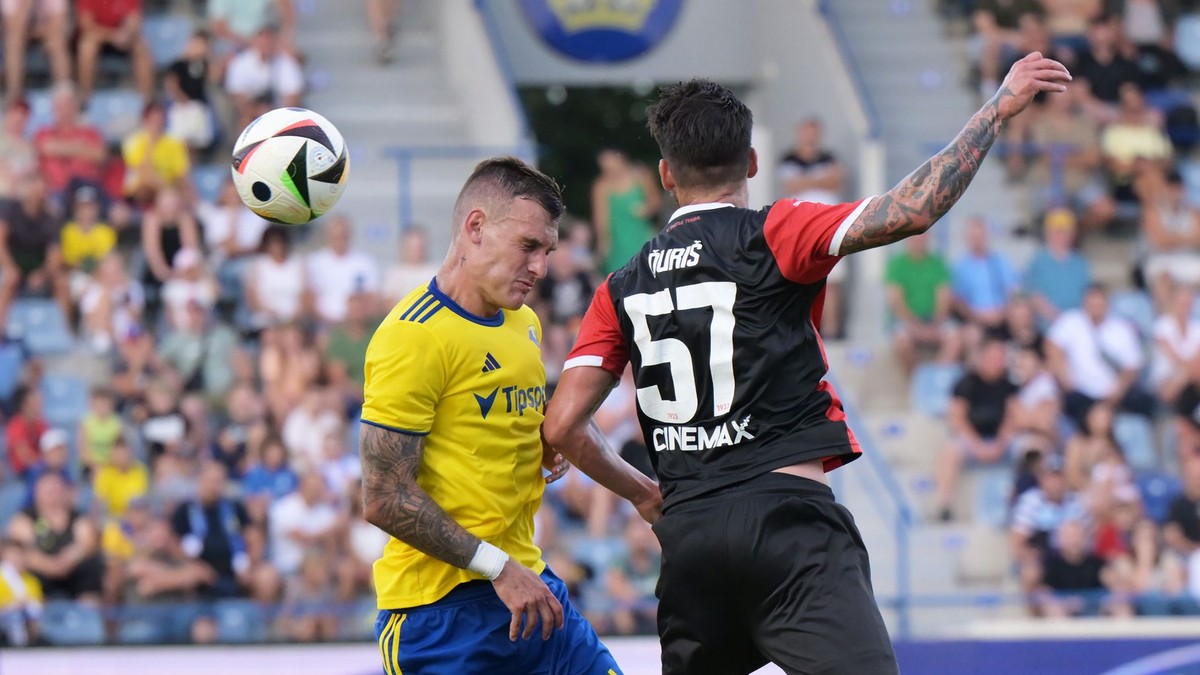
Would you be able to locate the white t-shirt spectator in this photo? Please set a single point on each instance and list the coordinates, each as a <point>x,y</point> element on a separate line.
<point>293,514</point>
<point>1089,349</point>
<point>303,434</point>
<point>220,221</point>
<point>179,293</point>
<point>280,287</point>
<point>1041,389</point>
<point>251,75</point>
<point>401,279</point>
<point>1186,343</point>
<point>367,541</point>
<point>340,473</point>
<point>334,278</point>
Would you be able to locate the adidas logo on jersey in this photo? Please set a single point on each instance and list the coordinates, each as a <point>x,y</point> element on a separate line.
<point>490,363</point>
<point>666,260</point>
<point>691,439</point>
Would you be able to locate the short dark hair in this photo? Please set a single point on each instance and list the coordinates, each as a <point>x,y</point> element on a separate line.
<point>516,179</point>
<point>703,131</point>
<point>272,232</point>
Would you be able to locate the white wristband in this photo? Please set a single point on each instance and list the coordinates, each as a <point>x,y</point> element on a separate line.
<point>488,561</point>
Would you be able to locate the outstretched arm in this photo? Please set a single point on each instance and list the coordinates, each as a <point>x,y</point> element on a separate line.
<point>923,197</point>
<point>394,502</point>
<point>570,430</point>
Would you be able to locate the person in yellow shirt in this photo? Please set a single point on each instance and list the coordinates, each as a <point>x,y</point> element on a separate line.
<point>452,454</point>
<point>122,481</point>
<point>86,239</point>
<point>153,160</point>
<point>20,596</point>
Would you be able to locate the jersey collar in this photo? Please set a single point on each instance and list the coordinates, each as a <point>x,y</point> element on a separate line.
<point>491,321</point>
<point>693,208</point>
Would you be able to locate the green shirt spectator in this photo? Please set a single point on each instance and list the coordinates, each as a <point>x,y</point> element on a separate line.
<point>918,278</point>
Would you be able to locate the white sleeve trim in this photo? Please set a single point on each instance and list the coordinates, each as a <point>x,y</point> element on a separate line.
<point>597,361</point>
<point>835,244</point>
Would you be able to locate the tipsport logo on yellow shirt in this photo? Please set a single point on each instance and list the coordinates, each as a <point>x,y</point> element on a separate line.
<point>517,399</point>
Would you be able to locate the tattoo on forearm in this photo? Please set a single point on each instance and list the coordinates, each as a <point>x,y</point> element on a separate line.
<point>929,192</point>
<point>400,507</point>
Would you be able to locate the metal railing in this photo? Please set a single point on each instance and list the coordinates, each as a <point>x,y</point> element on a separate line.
<point>407,155</point>
<point>827,11</point>
<point>892,505</point>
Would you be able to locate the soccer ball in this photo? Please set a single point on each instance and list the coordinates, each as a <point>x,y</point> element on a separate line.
<point>290,165</point>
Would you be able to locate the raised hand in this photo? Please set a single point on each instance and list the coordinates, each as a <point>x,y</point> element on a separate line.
<point>1027,78</point>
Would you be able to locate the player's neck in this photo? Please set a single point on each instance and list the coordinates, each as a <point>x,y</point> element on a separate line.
<point>738,195</point>
<point>454,281</point>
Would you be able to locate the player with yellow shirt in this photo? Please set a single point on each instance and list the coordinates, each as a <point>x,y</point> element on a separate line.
<point>452,451</point>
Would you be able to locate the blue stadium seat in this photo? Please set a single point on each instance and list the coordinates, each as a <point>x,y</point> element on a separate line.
<point>167,36</point>
<point>598,554</point>
<point>992,487</point>
<point>357,620</point>
<point>67,623</point>
<point>240,621</point>
<point>65,400</point>
<point>12,359</point>
<point>41,113</point>
<point>40,325</point>
<point>12,498</point>
<point>932,386</point>
<point>1158,490</point>
<point>1187,40</point>
<point>143,625</point>
<point>208,179</point>
<point>1135,435</point>
<point>1136,307</point>
<point>115,112</point>
<point>1189,170</point>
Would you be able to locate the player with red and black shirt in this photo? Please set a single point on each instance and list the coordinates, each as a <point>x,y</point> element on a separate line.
<point>716,316</point>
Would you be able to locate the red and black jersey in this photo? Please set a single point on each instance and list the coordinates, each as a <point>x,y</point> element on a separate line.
<point>717,315</point>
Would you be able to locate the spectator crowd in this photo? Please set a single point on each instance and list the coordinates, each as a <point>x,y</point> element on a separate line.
<point>180,381</point>
<point>1081,383</point>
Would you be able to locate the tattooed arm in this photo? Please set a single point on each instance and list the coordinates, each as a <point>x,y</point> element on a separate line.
<point>923,197</point>
<point>396,504</point>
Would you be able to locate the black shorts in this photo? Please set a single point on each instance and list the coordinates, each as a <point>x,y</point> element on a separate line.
<point>772,569</point>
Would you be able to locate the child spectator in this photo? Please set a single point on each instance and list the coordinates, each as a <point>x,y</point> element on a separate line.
<point>100,430</point>
<point>121,481</point>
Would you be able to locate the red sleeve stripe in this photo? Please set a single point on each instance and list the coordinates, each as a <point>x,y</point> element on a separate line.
<point>835,244</point>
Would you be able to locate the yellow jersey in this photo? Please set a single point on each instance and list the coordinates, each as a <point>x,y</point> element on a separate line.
<point>86,247</point>
<point>475,387</point>
<point>18,588</point>
<point>115,488</point>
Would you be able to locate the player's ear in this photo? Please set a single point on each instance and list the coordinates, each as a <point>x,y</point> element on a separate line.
<point>752,168</point>
<point>472,227</point>
<point>665,176</point>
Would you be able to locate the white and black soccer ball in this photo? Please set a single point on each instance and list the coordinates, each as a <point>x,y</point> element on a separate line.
<point>290,165</point>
